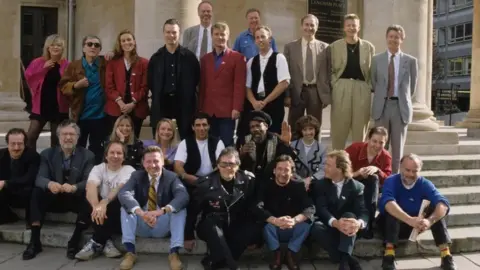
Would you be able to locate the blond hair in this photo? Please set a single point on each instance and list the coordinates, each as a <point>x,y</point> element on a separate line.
<point>173,125</point>
<point>222,26</point>
<point>342,162</point>
<point>113,135</point>
<point>51,40</point>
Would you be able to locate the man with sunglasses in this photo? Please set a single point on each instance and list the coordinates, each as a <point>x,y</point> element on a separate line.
<point>226,200</point>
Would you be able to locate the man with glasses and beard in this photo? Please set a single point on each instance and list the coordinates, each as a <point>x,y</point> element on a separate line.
<point>60,187</point>
<point>399,207</point>
<point>226,200</point>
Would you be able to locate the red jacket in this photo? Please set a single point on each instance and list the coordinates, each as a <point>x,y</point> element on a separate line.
<point>358,156</point>
<point>222,90</point>
<point>115,86</point>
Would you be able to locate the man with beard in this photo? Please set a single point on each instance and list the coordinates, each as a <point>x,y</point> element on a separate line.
<point>226,200</point>
<point>198,38</point>
<point>173,76</point>
<point>17,177</point>
<point>60,187</point>
<point>262,147</point>
<point>399,207</point>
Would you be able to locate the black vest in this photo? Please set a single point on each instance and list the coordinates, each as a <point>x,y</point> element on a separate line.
<point>193,154</point>
<point>270,78</point>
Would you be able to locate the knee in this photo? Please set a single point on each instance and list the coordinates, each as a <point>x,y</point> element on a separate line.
<point>270,229</point>
<point>371,180</point>
<point>317,230</point>
<point>181,213</point>
<point>349,215</point>
<point>304,226</point>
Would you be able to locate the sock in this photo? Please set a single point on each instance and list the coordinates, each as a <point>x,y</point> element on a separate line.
<point>174,250</point>
<point>389,251</point>
<point>444,251</point>
<point>130,247</point>
<point>35,237</point>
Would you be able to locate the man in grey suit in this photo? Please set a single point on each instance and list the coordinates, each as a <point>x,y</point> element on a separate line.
<point>198,38</point>
<point>394,80</point>
<point>60,187</point>
<point>153,205</point>
<point>306,63</point>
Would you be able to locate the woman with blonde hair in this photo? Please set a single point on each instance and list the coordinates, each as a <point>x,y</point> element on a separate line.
<point>126,83</point>
<point>167,138</point>
<point>48,103</point>
<point>123,132</point>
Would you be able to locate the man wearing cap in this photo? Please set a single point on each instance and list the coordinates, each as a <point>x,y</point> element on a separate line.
<point>262,147</point>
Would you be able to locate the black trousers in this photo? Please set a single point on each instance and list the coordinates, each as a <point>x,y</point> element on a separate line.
<point>44,201</point>
<point>110,123</point>
<point>191,218</point>
<point>227,243</point>
<point>332,240</point>
<point>393,229</point>
<point>95,131</point>
<point>173,107</point>
<point>370,195</point>
<point>110,226</point>
<point>14,197</point>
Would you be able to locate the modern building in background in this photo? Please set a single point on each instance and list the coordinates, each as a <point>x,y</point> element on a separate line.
<point>452,55</point>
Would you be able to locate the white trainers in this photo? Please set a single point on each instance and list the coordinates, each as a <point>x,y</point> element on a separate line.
<point>89,251</point>
<point>110,251</point>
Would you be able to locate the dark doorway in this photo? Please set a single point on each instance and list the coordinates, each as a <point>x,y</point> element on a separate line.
<point>37,23</point>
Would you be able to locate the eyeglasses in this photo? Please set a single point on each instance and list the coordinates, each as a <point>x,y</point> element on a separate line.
<point>93,44</point>
<point>227,165</point>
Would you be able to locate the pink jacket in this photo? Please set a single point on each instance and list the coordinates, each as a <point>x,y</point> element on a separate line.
<point>35,74</point>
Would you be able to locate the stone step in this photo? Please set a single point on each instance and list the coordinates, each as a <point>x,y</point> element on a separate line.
<point>461,195</point>
<point>450,162</point>
<point>465,239</point>
<point>11,104</point>
<point>452,178</point>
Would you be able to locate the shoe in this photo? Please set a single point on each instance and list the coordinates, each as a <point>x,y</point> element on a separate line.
<point>448,263</point>
<point>110,251</point>
<point>128,261</point>
<point>291,261</point>
<point>72,249</point>
<point>388,263</point>
<point>174,261</point>
<point>354,264</point>
<point>32,250</point>
<point>277,261</point>
<point>91,250</point>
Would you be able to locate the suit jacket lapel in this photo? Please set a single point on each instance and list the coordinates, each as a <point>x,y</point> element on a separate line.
<point>312,155</point>
<point>222,63</point>
<point>57,164</point>
<point>75,166</point>
<point>344,194</point>
<point>363,57</point>
<point>299,56</point>
<point>318,48</point>
<point>196,32</point>
<point>384,67</point>
<point>402,66</point>
<point>300,147</point>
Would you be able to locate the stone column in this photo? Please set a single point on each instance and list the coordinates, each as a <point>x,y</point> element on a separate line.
<point>472,121</point>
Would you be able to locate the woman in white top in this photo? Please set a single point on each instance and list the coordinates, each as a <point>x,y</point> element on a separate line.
<point>104,182</point>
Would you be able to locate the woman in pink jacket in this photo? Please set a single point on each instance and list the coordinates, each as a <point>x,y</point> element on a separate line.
<point>48,103</point>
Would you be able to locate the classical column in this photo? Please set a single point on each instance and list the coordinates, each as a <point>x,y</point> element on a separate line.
<point>188,13</point>
<point>472,121</point>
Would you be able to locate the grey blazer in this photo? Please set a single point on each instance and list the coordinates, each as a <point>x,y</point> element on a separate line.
<point>190,38</point>
<point>407,84</point>
<point>170,191</point>
<point>312,164</point>
<point>51,167</point>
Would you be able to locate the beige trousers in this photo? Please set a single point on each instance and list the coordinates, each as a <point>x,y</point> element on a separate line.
<point>351,101</point>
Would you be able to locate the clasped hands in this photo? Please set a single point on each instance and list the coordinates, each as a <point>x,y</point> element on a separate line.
<point>150,217</point>
<point>347,226</point>
<point>366,171</point>
<point>285,222</point>
<point>56,188</point>
<point>420,223</point>
<point>99,212</point>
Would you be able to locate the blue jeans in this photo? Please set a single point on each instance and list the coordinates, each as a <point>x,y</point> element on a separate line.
<point>223,129</point>
<point>173,223</point>
<point>295,236</point>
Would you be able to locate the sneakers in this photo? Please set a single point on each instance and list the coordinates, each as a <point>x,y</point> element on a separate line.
<point>447,263</point>
<point>128,261</point>
<point>388,263</point>
<point>110,251</point>
<point>89,251</point>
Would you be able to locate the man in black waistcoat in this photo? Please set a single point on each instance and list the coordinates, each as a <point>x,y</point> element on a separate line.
<point>19,167</point>
<point>173,77</point>
<point>196,157</point>
<point>267,79</point>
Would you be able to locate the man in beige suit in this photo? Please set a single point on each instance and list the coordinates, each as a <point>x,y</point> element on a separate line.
<point>306,62</point>
<point>198,38</point>
<point>349,60</point>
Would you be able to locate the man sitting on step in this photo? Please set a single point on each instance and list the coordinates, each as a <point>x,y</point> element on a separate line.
<point>153,205</point>
<point>399,208</point>
<point>60,187</point>
<point>19,167</point>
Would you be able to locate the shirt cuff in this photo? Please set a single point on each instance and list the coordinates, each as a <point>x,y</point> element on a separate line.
<point>171,209</point>
<point>362,224</point>
<point>330,222</point>
<point>134,209</point>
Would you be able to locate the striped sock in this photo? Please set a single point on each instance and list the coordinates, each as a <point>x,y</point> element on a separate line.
<point>389,251</point>
<point>444,251</point>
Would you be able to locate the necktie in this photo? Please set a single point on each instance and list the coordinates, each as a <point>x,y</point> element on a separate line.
<point>309,64</point>
<point>391,76</point>
<point>203,48</point>
<point>152,196</point>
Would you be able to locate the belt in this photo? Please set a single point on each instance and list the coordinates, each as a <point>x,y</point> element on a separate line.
<point>391,98</point>
<point>309,85</point>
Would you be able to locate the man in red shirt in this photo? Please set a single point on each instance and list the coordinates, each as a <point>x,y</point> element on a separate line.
<point>371,164</point>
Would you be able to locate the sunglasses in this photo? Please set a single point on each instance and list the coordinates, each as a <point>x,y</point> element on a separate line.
<point>227,165</point>
<point>93,44</point>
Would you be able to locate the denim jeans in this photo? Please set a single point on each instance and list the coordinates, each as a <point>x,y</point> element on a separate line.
<point>294,237</point>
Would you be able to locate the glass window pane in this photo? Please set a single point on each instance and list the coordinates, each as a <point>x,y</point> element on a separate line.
<point>27,24</point>
<point>468,29</point>
<point>459,31</point>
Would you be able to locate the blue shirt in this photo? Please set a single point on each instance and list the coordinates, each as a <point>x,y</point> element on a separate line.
<point>245,44</point>
<point>409,200</point>
<point>218,59</point>
<point>94,102</point>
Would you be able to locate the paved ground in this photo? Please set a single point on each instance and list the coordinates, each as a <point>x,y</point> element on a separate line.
<point>54,259</point>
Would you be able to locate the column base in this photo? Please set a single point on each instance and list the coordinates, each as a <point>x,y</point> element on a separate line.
<point>422,119</point>
<point>472,121</point>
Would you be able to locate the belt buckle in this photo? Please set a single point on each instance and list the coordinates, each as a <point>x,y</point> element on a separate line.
<point>261,94</point>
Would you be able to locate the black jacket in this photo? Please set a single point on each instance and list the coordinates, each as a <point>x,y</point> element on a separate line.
<point>23,176</point>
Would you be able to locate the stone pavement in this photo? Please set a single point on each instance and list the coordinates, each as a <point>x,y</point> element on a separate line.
<point>54,259</point>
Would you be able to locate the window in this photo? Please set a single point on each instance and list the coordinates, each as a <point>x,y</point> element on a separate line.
<point>469,65</point>
<point>457,4</point>
<point>460,32</point>
<point>441,36</point>
<point>460,66</point>
<point>434,7</point>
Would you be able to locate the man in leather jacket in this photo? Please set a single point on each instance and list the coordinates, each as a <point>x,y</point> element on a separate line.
<point>226,200</point>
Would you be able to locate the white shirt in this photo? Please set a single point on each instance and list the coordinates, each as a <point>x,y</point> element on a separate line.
<point>206,165</point>
<point>200,38</point>
<point>304,56</point>
<point>107,179</point>
<point>308,147</point>
<point>396,65</point>
<point>127,64</point>
<point>282,70</point>
<point>339,186</point>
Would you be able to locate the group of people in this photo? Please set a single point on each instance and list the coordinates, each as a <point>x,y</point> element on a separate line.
<point>193,180</point>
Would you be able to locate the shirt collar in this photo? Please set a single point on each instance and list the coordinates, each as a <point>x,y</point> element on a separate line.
<point>209,28</point>
<point>85,63</point>
<point>304,41</point>
<point>221,54</point>
<point>267,55</point>
<point>363,152</point>
<point>397,54</point>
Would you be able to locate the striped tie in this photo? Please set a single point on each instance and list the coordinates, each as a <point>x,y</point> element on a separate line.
<point>152,196</point>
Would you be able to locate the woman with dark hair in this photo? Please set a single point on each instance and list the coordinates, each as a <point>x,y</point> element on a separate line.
<point>311,154</point>
<point>123,132</point>
<point>126,83</point>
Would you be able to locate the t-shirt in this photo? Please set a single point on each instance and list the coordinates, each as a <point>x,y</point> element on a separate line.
<point>107,179</point>
<point>206,165</point>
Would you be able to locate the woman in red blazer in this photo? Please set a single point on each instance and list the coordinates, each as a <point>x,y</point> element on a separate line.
<point>126,83</point>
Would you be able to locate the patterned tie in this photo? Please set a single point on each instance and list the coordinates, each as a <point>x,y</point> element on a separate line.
<point>203,48</point>
<point>309,64</point>
<point>152,196</point>
<point>391,76</point>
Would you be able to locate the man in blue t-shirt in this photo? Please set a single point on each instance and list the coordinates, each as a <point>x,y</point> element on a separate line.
<point>399,206</point>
